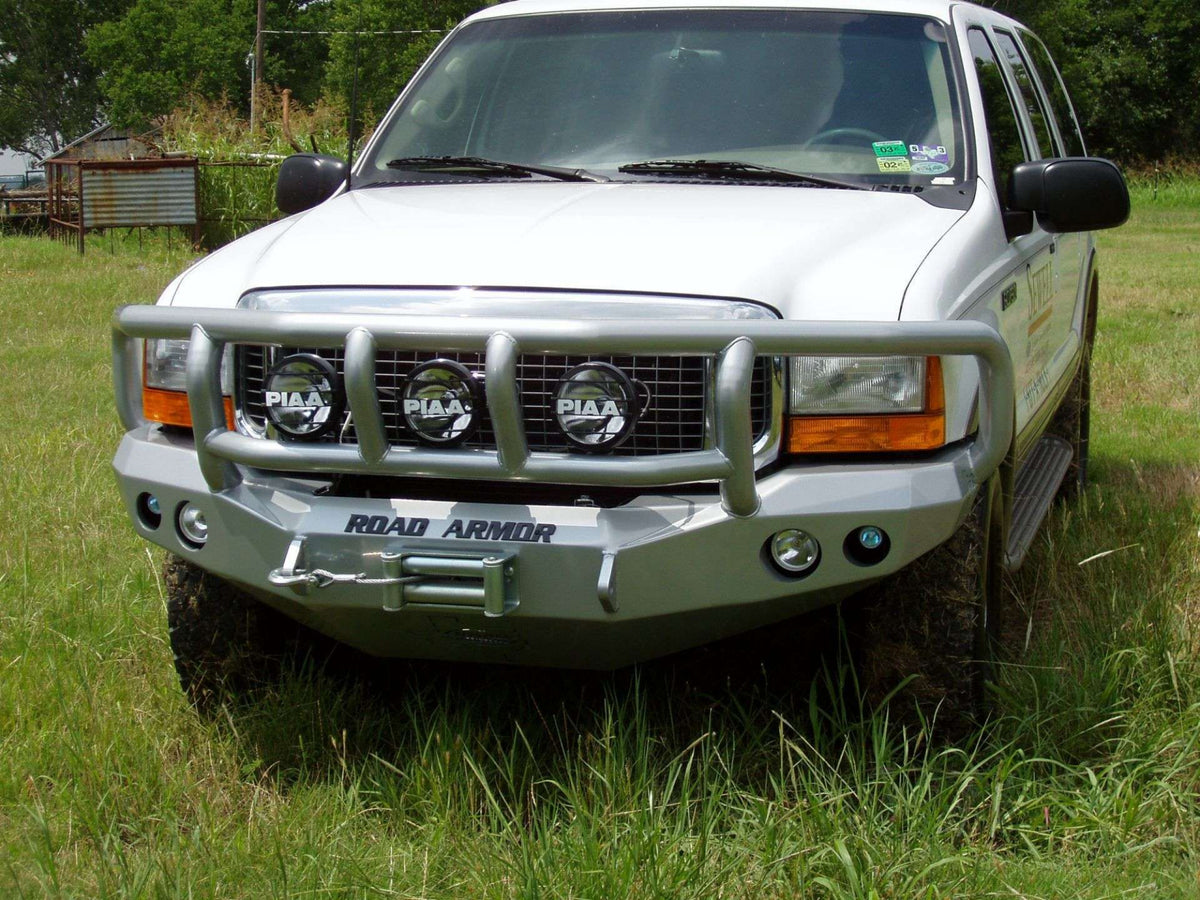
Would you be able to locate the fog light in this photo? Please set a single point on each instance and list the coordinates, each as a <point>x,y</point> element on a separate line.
<point>795,552</point>
<point>193,526</point>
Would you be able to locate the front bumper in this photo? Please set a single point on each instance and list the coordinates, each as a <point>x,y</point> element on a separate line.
<point>604,587</point>
<point>609,587</point>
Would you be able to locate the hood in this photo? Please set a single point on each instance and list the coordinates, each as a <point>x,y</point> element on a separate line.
<point>808,252</point>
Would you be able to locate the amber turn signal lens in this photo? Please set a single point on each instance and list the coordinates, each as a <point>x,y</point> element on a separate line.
<point>876,433</point>
<point>865,434</point>
<point>171,408</point>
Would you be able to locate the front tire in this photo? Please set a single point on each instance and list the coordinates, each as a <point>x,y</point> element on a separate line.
<point>1073,420</point>
<point>224,641</point>
<point>928,634</point>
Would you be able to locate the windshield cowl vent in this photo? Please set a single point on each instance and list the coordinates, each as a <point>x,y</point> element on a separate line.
<point>899,188</point>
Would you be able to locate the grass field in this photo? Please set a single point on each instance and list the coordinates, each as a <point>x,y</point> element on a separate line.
<point>715,775</point>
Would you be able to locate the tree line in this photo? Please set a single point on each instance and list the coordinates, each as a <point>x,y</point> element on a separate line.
<point>1132,66</point>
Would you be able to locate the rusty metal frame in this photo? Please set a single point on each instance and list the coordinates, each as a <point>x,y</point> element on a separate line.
<point>65,207</point>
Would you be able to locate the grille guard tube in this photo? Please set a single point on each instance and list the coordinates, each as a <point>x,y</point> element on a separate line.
<point>735,344</point>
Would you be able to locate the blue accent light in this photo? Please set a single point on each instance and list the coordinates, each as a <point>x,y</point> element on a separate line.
<point>870,537</point>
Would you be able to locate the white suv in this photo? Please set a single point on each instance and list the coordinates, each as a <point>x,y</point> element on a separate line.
<point>633,327</point>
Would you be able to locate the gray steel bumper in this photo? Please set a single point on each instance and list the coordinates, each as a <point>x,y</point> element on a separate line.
<point>612,586</point>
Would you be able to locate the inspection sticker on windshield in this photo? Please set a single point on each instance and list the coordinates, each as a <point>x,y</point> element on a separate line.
<point>890,149</point>
<point>929,168</point>
<point>924,153</point>
<point>894,165</point>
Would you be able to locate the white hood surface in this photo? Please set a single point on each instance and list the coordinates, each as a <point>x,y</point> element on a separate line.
<point>811,253</point>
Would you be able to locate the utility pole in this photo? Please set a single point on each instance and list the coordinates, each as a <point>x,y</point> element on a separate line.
<point>256,80</point>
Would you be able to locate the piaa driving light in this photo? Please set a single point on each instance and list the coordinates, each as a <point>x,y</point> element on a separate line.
<point>441,403</point>
<point>302,397</point>
<point>596,406</point>
<point>866,404</point>
<point>164,386</point>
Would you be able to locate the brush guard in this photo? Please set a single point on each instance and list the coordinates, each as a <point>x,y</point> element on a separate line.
<point>735,345</point>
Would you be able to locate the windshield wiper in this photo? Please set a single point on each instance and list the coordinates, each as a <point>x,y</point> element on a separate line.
<point>719,168</point>
<point>484,168</point>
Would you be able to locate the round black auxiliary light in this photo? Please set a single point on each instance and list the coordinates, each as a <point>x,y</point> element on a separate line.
<point>441,403</point>
<point>303,397</point>
<point>596,407</point>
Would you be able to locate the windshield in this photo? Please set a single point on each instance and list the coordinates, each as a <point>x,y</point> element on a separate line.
<point>868,98</point>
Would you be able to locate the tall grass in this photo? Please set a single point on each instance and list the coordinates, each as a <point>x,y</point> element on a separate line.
<point>747,769</point>
<point>238,167</point>
<point>1170,185</point>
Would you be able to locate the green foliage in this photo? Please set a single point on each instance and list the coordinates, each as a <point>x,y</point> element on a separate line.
<point>1133,70</point>
<point>163,51</point>
<point>48,89</point>
<point>386,61</point>
<point>1176,186</point>
<point>238,169</point>
<point>297,61</point>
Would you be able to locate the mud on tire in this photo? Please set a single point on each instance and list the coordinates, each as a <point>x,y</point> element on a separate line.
<point>935,623</point>
<point>224,641</point>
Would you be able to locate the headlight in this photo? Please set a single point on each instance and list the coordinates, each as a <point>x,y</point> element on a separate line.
<point>866,404</point>
<point>857,385</point>
<point>164,390</point>
<point>166,366</point>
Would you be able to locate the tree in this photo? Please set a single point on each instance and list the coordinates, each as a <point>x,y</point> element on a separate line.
<point>161,51</point>
<point>297,60</point>
<point>48,87</point>
<point>1132,67</point>
<point>388,60</point>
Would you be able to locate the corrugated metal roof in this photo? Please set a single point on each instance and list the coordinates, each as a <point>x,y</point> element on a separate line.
<point>106,142</point>
<point>132,195</point>
<point>65,151</point>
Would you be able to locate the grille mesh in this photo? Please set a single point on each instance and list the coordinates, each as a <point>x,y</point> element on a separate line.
<point>674,421</point>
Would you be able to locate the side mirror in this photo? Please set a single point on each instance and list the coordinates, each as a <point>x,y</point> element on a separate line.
<point>1073,194</point>
<point>307,179</point>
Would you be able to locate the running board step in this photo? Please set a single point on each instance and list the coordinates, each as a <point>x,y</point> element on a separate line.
<point>1038,481</point>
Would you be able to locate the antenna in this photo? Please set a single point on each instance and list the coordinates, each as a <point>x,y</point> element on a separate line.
<point>353,104</point>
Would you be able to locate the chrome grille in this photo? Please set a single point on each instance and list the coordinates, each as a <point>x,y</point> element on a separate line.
<point>673,422</point>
